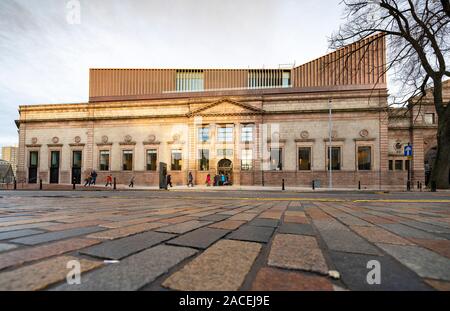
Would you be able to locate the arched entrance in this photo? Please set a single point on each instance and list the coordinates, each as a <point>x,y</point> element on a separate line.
<point>225,167</point>
<point>429,161</point>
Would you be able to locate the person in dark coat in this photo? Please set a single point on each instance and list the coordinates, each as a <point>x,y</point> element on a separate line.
<point>190,180</point>
<point>169,181</point>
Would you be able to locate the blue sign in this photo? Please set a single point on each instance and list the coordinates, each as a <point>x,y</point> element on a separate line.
<point>408,151</point>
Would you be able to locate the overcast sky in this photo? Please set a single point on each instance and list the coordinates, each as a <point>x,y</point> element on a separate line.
<point>45,59</point>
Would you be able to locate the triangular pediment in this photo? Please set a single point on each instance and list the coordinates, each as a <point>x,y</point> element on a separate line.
<point>226,107</point>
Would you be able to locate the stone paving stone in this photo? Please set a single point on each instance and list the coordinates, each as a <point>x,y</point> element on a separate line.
<point>296,219</point>
<point>28,226</point>
<point>353,221</point>
<point>301,229</point>
<point>177,220</point>
<point>126,223</point>
<point>261,222</point>
<point>222,267</point>
<point>6,247</point>
<point>133,272</point>
<point>439,285</point>
<point>184,227</point>
<point>53,236</point>
<point>252,234</point>
<point>379,235</point>
<point>60,227</point>
<point>244,216</point>
<point>215,217</point>
<point>377,220</point>
<point>442,247</point>
<point>20,256</point>
<point>228,224</point>
<point>426,227</point>
<point>124,247</point>
<point>317,214</point>
<point>125,231</point>
<point>340,238</point>
<point>31,221</point>
<point>394,276</point>
<point>18,233</point>
<point>297,252</point>
<point>409,232</point>
<point>270,279</point>
<point>200,238</point>
<point>271,215</point>
<point>43,274</point>
<point>425,263</point>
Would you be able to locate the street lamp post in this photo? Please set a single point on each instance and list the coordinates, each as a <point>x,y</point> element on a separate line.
<point>330,154</point>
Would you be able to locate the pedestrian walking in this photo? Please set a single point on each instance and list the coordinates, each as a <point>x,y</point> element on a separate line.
<point>93,177</point>
<point>131,185</point>
<point>108,181</point>
<point>190,180</point>
<point>169,181</point>
<point>208,180</point>
<point>87,181</point>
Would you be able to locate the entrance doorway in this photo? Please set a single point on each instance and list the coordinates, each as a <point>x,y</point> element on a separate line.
<point>77,158</point>
<point>54,167</point>
<point>33,167</point>
<point>429,161</point>
<point>225,167</point>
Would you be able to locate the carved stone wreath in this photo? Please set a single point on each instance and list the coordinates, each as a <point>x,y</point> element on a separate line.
<point>77,139</point>
<point>398,146</point>
<point>152,138</point>
<point>105,139</point>
<point>334,134</point>
<point>55,140</point>
<point>364,133</point>
<point>34,140</point>
<point>128,139</point>
<point>304,134</point>
<point>176,137</point>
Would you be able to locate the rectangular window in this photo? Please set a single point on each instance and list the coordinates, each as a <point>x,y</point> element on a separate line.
<point>127,161</point>
<point>224,153</point>
<point>225,134</point>
<point>286,79</point>
<point>152,158</point>
<point>177,160</point>
<point>269,78</point>
<point>391,165</point>
<point>104,160</point>
<point>336,158</point>
<point>398,165</point>
<point>247,133</point>
<point>276,163</point>
<point>304,159</point>
<point>364,158</point>
<point>203,159</point>
<point>189,80</point>
<point>203,134</point>
<point>34,158</point>
<point>430,118</point>
<point>247,159</point>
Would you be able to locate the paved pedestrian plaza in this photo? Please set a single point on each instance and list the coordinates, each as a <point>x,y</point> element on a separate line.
<point>238,240</point>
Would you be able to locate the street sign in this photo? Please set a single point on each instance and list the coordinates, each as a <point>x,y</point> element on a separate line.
<point>408,151</point>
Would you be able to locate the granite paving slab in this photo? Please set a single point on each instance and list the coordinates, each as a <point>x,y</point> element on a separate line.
<point>298,252</point>
<point>184,227</point>
<point>133,272</point>
<point>409,232</point>
<point>228,224</point>
<point>261,222</point>
<point>126,231</point>
<point>380,235</point>
<point>222,267</point>
<point>424,262</point>
<point>28,226</point>
<point>252,234</point>
<point>215,217</point>
<point>19,233</point>
<point>53,236</point>
<point>40,275</point>
<point>394,276</point>
<point>200,238</point>
<point>6,247</point>
<point>301,229</point>
<point>118,249</point>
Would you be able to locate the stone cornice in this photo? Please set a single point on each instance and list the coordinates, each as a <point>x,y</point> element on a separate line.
<point>327,140</point>
<point>310,140</point>
<point>104,144</point>
<point>364,139</point>
<point>55,145</point>
<point>34,146</point>
<point>77,145</point>
<point>150,143</point>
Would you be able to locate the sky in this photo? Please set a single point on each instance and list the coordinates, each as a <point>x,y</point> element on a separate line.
<point>46,51</point>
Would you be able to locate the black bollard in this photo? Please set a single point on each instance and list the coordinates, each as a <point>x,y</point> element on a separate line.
<point>418,184</point>
<point>15,184</point>
<point>433,186</point>
<point>359,185</point>
<point>40,184</point>
<point>313,185</point>
<point>282,186</point>
<point>408,186</point>
<point>115,184</point>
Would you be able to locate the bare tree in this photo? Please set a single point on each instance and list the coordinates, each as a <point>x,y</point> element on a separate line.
<point>418,36</point>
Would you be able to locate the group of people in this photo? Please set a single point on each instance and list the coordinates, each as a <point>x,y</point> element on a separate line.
<point>219,180</point>
<point>91,179</point>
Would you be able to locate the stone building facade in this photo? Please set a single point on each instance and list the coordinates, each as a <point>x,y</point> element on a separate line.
<point>256,126</point>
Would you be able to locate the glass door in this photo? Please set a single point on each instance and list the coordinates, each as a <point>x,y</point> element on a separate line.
<point>54,167</point>
<point>32,167</point>
<point>77,157</point>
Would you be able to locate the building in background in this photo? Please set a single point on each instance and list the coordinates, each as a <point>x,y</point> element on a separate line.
<point>258,126</point>
<point>6,172</point>
<point>10,154</point>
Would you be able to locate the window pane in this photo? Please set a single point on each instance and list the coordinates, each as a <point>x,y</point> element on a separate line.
<point>104,160</point>
<point>398,165</point>
<point>429,118</point>
<point>276,159</point>
<point>177,160</point>
<point>225,134</point>
<point>127,160</point>
<point>203,162</point>
<point>304,159</point>
<point>247,159</point>
<point>151,159</point>
<point>336,158</point>
<point>33,159</point>
<point>54,159</point>
<point>189,80</point>
<point>247,133</point>
<point>203,134</point>
<point>77,159</point>
<point>364,158</point>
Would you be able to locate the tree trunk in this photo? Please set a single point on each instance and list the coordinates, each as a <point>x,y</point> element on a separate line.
<point>441,167</point>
